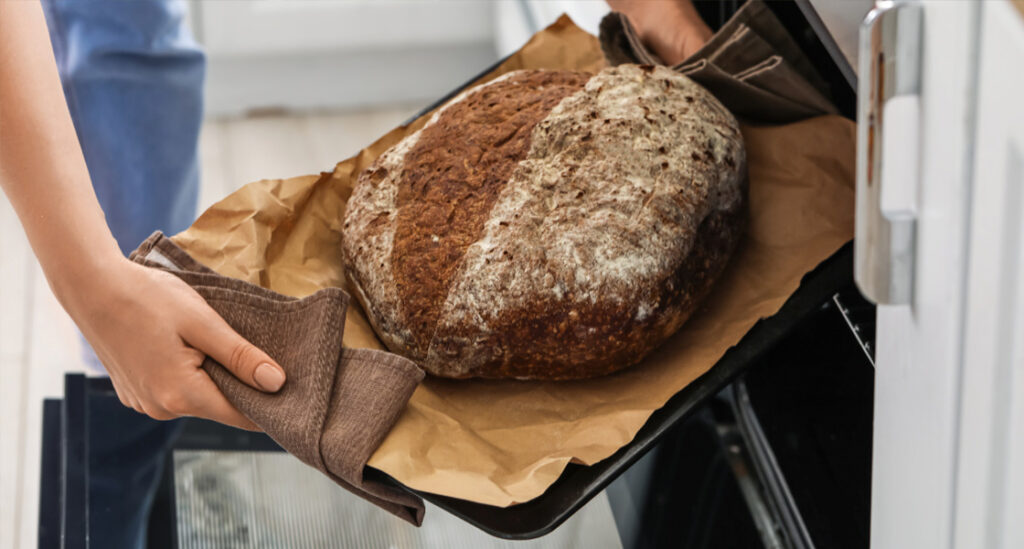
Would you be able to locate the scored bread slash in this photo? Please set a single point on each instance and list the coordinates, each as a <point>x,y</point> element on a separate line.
<point>548,224</point>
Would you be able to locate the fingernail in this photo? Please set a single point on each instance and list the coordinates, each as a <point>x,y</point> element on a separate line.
<point>268,377</point>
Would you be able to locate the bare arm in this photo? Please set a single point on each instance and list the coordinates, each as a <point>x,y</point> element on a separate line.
<point>148,327</point>
<point>671,28</point>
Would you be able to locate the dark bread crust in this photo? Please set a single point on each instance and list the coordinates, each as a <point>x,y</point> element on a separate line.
<point>511,238</point>
<point>454,174</point>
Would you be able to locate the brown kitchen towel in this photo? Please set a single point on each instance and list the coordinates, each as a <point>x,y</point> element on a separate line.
<point>751,64</point>
<point>337,404</point>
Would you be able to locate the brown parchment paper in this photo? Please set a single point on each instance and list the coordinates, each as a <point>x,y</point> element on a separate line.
<point>505,442</point>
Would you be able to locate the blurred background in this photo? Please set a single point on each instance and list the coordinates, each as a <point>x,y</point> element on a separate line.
<point>292,87</point>
<point>295,86</point>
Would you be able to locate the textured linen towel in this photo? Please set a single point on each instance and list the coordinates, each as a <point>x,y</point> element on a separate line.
<point>337,404</point>
<point>751,65</point>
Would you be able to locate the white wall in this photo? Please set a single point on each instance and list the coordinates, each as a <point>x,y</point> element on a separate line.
<point>516,20</point>
<point>310,54</point>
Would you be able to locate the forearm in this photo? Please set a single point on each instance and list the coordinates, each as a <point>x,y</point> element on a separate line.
<point>42,170</point>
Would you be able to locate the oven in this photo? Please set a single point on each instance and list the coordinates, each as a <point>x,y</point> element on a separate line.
<point>882,406</point>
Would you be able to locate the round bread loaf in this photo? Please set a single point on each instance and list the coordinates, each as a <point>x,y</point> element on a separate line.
<point>548,224</point>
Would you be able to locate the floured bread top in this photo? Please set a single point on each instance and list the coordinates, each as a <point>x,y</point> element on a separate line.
<point>548,224</point>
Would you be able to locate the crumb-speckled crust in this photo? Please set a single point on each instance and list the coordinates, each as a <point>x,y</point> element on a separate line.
<point>549,224</point>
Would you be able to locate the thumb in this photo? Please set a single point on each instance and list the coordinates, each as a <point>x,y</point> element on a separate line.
<point>210,334</point>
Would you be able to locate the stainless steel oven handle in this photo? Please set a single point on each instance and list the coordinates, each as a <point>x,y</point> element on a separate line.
<point>888,125</point>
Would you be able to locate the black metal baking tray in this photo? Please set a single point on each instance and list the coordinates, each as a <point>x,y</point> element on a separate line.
<point>578,484</point>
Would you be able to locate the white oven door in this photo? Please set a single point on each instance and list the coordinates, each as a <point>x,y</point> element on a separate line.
<point>940,210</point>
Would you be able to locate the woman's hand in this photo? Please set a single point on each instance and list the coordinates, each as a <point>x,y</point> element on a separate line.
<point>152,332</point>
<point>670,28</point>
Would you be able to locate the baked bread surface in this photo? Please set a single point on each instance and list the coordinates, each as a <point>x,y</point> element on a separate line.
<point>548,224</point>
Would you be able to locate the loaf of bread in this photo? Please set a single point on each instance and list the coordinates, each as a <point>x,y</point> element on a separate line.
<point>548,224</point>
